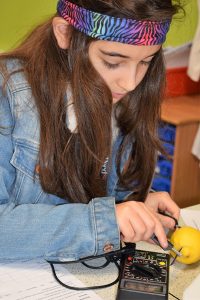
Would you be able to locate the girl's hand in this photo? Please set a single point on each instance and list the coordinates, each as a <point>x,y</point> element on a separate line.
<point>137,223</point>
<point>161,201</point>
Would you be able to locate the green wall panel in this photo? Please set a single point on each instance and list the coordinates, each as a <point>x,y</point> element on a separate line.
<point>17,17</point>
<point>183,28</point>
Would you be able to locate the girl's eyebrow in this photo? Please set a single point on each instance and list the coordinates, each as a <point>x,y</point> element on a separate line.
<point>116,54</point>
<point>153,54</point>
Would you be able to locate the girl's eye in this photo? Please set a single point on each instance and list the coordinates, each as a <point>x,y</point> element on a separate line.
<point>145,63</point>
<point>109,65</point>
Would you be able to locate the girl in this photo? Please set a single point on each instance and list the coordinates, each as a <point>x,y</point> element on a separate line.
<point>79,106</point>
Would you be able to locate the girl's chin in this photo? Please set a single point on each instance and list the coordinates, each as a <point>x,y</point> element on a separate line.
<point>117,98</point>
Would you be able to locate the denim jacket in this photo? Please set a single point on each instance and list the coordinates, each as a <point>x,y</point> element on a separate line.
<point>32,222</point>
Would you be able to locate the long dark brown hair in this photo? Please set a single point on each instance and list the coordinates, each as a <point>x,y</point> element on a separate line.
<point>70,163</point>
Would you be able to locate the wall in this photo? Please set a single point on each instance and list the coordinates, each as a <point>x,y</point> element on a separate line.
<point>19,16</point>
<point>183,28</point>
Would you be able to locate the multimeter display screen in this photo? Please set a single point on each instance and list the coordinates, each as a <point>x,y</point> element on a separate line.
<point>149,288</point>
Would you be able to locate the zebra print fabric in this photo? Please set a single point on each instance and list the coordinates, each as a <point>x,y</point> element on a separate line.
<point>110,28</point>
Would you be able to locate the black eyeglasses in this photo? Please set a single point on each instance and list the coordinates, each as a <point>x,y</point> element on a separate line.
<point>111,257</point>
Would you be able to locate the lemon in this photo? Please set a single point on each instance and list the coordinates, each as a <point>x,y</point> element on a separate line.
<point>188,239</point>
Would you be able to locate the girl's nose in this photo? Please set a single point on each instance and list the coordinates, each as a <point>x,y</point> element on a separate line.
<point>128,80</point>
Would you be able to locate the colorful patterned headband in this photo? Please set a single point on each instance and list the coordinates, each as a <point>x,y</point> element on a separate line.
<point>110,28</point>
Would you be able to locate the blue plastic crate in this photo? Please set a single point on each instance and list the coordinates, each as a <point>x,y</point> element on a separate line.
<point>161,184</point>
<point>169,148</point>
<point>164,168</point>
<point>167,133</point>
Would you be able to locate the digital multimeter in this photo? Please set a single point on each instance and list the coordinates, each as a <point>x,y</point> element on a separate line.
<point>144,276</point>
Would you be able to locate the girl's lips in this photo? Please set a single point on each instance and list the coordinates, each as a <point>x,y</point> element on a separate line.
<point>117,95</point>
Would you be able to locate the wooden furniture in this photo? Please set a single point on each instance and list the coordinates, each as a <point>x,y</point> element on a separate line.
<point>184,113</point>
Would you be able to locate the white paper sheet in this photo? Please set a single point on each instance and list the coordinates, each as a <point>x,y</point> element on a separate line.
<point>191,217</point>
<point>33,280</point>
<point>193,290</point>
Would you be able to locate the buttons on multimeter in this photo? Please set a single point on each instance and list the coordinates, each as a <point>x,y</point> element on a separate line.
<point>144,276</point>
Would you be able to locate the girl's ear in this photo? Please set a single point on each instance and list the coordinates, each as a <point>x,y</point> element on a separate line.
<point>61,32</point>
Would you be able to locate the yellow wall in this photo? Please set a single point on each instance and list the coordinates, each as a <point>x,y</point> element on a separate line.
<point>183,28</point>
<point>17,17</point>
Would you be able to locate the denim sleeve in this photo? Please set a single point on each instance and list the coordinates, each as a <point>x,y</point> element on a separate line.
<point>56,232</point>
<point>60,233</point>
